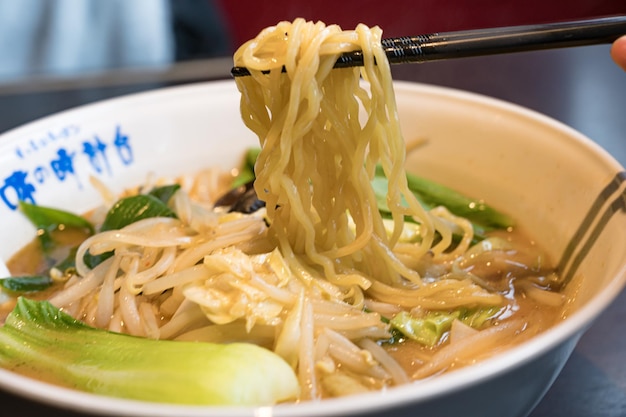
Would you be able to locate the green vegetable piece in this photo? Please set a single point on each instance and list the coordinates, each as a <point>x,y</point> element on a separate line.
<point>165,192</point>
<point>94,260</point>
<point>131,209</point>
<point>477,317</point>
<point>25,284</point>
<point>380,184</point>
<point>51,218</point>
<point>134,208</point>
<point>246,170</point>
<point>396,336</point>
<point>429,194</point>
<point>39,336</point>
<point>48,219</point>
<point>425,330</point>
<point>67,266</point>
<point>429,328</point>
<point>477,211</point>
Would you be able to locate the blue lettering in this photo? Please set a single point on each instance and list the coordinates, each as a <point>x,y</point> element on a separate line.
<point>22,189</point>
<point>97,155</point>
<point>40,173</point>
<point>124,150</point>
<point>35,144</point>
<point>64,165</point>
<point>21,184</point>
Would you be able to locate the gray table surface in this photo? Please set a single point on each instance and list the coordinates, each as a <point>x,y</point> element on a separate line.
<point>580,87</point>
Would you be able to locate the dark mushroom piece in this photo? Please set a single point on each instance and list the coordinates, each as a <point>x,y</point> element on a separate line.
<point>242,199</point>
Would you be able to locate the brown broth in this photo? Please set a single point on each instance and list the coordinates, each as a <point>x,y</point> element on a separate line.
<point>538,317</point>
<point>31,260</point>
<point>409,354</point>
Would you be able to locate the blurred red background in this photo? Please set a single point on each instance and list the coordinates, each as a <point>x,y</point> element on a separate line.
<point>246,18</point>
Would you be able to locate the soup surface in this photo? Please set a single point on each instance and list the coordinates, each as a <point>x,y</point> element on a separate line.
<point>423,339</point>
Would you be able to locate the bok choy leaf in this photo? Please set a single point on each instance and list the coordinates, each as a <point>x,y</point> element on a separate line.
<point>48,219</point>
<point>246,170</point>
<point>39,336</point>
<point>131,209</point>
<point>134,208</point>
<point>25,284</point>
<point>430,194</point>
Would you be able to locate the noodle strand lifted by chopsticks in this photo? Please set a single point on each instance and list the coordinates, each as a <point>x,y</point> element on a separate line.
<point>317,159</point>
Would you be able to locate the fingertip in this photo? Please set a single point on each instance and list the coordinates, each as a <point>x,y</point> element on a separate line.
<point>618,52</point>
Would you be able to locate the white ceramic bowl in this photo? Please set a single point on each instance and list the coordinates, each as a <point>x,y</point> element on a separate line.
<point>544,174</point>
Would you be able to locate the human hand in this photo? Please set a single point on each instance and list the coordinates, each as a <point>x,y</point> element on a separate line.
<point>618,52</point>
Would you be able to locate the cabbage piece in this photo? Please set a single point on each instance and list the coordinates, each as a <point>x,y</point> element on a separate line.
<point>425,330</point>
<point>39,336</point>
<point>429,328</point>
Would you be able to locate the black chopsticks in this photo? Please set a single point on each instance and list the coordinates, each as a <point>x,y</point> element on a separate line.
<point>477,42</point>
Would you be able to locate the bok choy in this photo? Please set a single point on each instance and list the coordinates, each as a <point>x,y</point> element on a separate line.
<point>430,194</point>
<point>48,219</point>
<point>39,336</point>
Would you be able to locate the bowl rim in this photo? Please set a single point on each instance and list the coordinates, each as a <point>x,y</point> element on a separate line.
<point>570,328</point>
